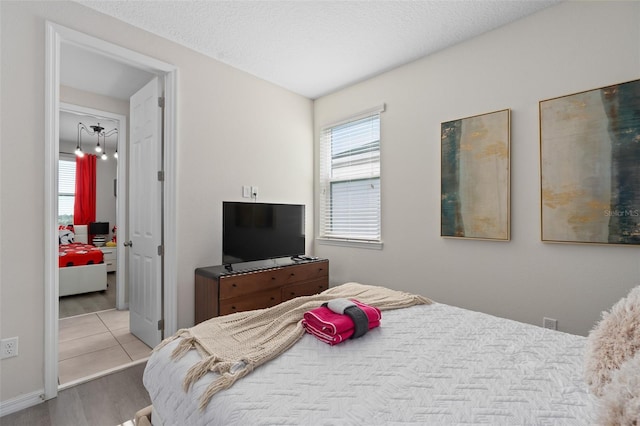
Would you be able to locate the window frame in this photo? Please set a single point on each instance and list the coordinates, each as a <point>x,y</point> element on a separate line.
<point>69,159</point>
<point>326,182</point>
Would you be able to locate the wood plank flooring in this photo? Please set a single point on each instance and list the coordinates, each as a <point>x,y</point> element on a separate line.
<point>110,400</point>
<point>79,304</point>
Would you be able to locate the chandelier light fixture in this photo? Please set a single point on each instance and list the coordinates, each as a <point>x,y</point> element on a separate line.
<point>97,130</point>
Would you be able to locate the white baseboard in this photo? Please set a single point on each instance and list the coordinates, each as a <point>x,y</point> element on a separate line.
<point>21,402</point>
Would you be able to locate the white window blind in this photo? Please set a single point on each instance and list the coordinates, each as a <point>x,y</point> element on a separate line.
<point>66,190</point>
<point>350,179</point>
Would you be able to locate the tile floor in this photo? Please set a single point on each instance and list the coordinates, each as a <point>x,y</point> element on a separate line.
<point>92,343</point>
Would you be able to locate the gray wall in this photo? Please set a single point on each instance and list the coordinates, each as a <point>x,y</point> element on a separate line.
<point>233,129</point>
<point>568,48</point>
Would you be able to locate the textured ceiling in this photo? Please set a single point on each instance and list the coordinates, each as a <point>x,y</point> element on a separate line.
<point>316,47</point>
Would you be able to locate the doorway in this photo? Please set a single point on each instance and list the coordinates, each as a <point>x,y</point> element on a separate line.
<point>56,37</point>
<point>109,172</point>
<point>93,326</point>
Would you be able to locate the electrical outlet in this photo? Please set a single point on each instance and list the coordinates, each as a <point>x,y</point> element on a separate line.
<point>550,323</point>
<point>254,192</point>
<point>8,347</point>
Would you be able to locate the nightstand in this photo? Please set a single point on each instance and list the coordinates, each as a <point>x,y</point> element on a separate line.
<point>110,254</point>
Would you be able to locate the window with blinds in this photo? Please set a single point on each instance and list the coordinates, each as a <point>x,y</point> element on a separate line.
<point>66,191</point>
<point>350,179</point>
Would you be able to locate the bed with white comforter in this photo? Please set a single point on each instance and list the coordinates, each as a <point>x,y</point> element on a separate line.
<point>427,364</point>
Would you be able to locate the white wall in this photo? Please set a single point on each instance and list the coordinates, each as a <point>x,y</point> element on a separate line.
<point>568,48</point>
<point>233,130</point>
<point>83,98</point>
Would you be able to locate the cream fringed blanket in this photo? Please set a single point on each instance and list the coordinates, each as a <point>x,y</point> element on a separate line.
<point>233,345</point>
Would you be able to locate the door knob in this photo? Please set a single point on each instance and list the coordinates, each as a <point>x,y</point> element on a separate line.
<point>128,243</point>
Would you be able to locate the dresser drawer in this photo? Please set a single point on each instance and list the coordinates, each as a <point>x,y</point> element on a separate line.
<point>246,284</point>
<point>111,265</point>
<point>109,253</point>
<point>305,272</point>
<point>306,288</point>
<point>259,300</point>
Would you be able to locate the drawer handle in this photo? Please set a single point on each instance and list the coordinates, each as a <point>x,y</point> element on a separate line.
<point>293,293</point>
<point>292,274</point>
<point>273,298</point>
<point>233,285</point>
<point>319,269</point>
<point>233,307</point>
<point>273,278</point>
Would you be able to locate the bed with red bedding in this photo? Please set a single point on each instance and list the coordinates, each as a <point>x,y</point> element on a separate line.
<point>79,254</point>
<point>81,266</point>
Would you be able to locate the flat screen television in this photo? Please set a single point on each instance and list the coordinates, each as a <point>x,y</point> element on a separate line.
<point>99,228</point>
<point>260,231</point>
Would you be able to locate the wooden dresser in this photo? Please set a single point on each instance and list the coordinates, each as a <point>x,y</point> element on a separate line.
<point>219,292</point>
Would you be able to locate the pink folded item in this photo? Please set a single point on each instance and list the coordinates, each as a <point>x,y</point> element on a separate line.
<point>332,327</point>
<point>334,339</point>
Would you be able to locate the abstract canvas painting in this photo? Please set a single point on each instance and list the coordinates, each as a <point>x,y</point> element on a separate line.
<point>590,166</point>
<point>475,177</point>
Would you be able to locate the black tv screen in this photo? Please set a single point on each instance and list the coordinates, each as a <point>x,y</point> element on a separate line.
<point>99,228</point>
<point>259,231</point>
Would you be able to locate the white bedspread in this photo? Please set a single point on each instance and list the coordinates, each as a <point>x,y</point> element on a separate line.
<point>428,365</point>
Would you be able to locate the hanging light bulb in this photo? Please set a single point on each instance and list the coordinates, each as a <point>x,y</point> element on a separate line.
<point>104,153</point>
<point>78,150</point>
<point>110,133</point>
<point>98,130</point>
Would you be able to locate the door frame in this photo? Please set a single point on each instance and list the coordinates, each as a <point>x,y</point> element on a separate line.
<point>55,36</point>
<point>122,184</point>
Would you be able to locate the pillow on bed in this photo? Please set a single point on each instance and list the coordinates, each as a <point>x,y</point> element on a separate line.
<point>65,236</point>
<point>620,403</point>
<point>615,339</point>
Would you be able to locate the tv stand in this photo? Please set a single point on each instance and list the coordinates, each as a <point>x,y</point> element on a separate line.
<point>219,290</point>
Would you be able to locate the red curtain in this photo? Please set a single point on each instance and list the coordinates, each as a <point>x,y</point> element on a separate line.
<point>84,209</point>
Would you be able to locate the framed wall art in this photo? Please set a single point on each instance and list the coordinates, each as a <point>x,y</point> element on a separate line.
<point>475,177</point>
<point>590,166</point>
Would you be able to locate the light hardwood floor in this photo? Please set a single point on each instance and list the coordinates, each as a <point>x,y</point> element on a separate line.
<point>110,400</point>
<point>79,304</point>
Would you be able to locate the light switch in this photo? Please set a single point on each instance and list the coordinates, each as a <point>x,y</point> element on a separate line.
<point>246,191</point>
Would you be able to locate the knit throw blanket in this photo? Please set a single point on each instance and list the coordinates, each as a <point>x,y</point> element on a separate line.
<point>233,345</point>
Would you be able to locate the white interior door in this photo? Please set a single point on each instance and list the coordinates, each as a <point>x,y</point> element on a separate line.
<point>145,209</point>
